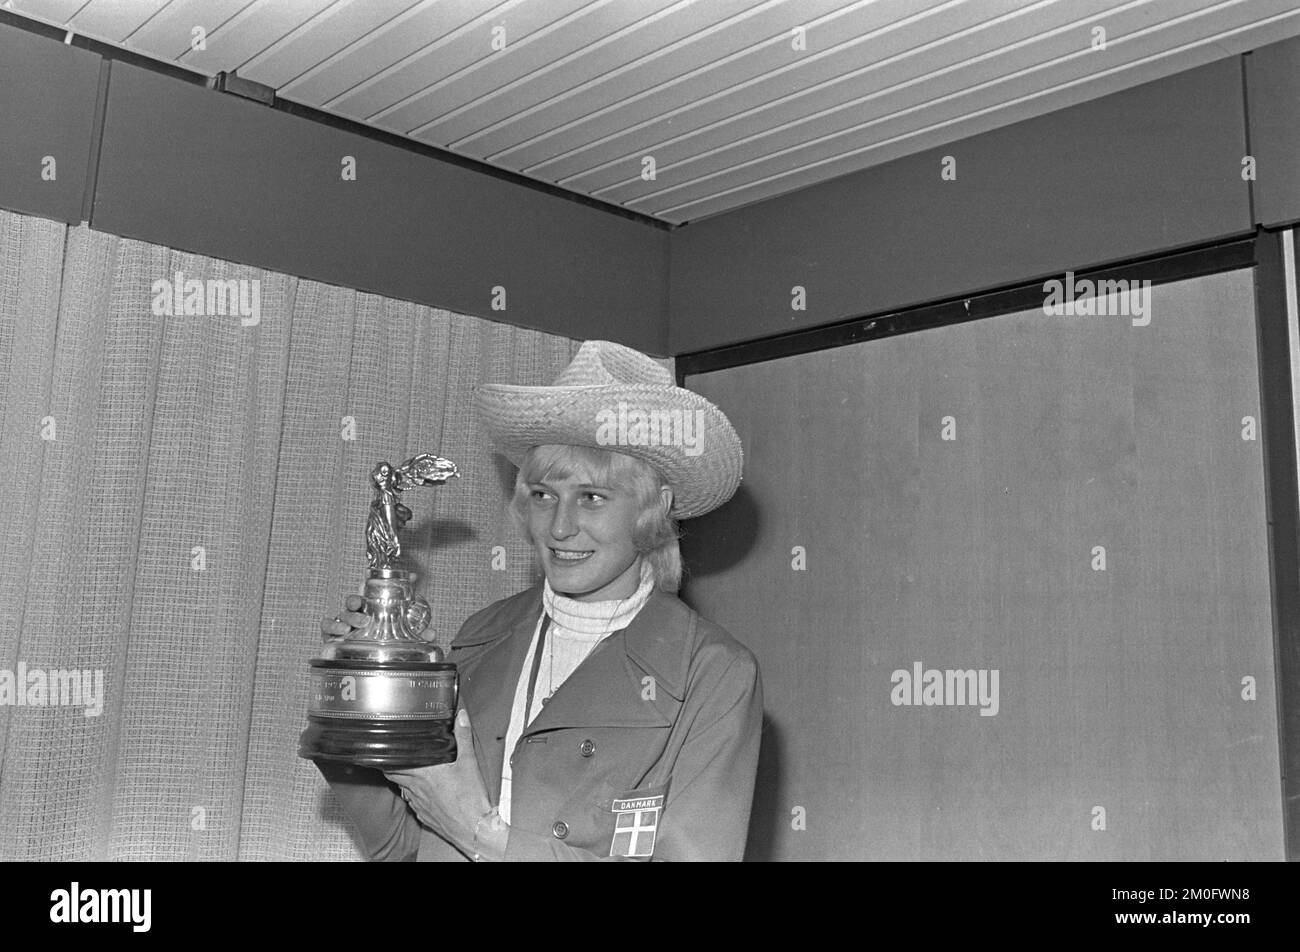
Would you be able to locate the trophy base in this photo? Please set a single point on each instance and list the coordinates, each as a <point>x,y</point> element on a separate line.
<point>390,715</point>
<point>386,744</point>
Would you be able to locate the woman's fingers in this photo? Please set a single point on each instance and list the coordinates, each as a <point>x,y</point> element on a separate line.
<point>332,628</point>
<point>345,622</point>
<point>354,616</point>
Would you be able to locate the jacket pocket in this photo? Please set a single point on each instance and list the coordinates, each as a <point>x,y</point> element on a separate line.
<point>567,785</point>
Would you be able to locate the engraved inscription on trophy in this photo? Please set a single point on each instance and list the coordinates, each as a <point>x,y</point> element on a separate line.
<point>383,696</point>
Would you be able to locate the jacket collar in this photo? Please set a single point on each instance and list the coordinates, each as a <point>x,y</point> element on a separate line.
<point>634,678</point>
<point>656,640</point>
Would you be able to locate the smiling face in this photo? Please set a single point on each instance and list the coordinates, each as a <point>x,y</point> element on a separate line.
<point>582,533</point>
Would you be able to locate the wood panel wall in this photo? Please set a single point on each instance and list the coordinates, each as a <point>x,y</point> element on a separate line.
<point>1119,689</point>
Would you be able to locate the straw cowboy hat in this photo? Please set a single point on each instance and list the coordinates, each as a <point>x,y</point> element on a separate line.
<point>612,397</point>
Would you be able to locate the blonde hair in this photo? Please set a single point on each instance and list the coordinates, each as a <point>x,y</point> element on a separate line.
<point>655,534</point>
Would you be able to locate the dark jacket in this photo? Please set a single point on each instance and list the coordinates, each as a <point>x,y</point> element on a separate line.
<point>671,707</point>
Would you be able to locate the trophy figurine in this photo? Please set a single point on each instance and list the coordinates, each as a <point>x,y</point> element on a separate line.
<point>383,696</point>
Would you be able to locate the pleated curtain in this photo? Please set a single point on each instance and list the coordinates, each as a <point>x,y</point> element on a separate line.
<point>185,498</point>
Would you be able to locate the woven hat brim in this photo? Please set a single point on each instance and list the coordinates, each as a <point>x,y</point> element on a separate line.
<point>704,474</point>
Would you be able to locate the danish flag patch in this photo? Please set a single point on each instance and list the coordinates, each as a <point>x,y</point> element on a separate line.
<point>636,821</point>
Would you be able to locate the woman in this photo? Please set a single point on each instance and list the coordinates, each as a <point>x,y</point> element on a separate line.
<point>602,718</point>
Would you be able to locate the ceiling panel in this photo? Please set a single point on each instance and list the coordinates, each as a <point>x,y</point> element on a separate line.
<point>319,39</point>
<point>718,92</point>
<point>749,186</point>
<point>594,43</point>
<point>453,73</point>
<point>773,87</point>
<point>787,143</point>
<point>369,59</point>
<point>115,21</point>
<point>238,29</point>
<point>169,33</point>
<point>594,110</point>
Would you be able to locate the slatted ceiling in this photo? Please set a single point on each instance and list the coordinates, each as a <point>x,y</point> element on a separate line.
<point>771,89</point>
<point>584,51</point>
<point>452,75</point>
<point>573,133</point>
<point>116,21</point>
<point>590,101</point>
<point>320,39</point>
<point>767,178</point>
<point>590,42</point>
<point>963,74</point>
<point>425,33</point>
<point>238,29</point>
<point>169,30</point>
<point>443,60</point>
<point>712,89</point>
<point>243,30</point>
<point>52,11</point>
<point>368,55</point>
<point>550,137</point>
<point>899,106</point>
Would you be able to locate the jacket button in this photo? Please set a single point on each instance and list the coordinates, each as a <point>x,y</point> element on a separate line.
<point>560,829</point>
<point>586,748</point>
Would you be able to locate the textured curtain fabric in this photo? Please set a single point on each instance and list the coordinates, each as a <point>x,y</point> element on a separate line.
<point>185,498</point>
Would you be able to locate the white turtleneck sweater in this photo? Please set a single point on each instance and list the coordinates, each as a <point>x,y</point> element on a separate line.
<point>576,629</point>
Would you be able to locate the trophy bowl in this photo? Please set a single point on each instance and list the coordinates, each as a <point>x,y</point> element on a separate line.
<point>382,696</point>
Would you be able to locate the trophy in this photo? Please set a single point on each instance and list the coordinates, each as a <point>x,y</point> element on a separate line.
<point>383,696</point>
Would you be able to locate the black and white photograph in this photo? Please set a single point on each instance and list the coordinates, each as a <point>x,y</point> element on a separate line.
<point>833,431</point>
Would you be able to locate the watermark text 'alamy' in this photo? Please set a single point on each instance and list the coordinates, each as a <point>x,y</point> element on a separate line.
<point>1099,298</point>
<point>211,298</point>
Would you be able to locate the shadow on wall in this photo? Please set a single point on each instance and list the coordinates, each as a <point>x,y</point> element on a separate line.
<point>713,544</point>
<point>768,810</point>
<point>719,540</point>
<point>433,532</point>
<point>506,474</point>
